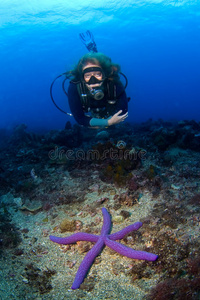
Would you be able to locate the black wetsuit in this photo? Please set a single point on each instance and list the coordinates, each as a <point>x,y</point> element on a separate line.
<point>106,109</point>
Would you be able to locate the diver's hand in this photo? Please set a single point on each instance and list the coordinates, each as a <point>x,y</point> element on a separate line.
<point>115,119</point>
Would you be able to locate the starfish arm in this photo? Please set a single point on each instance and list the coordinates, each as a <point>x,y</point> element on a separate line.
<point>79,236</point>
<point>86,263</point>
<point>131,253</point>
<point>106,222</point>
<point>120,234</point>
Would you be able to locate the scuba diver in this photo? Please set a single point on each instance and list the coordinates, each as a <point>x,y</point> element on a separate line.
<point>96,96</point>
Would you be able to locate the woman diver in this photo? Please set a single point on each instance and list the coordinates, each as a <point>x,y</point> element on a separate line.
<point>96,96</point>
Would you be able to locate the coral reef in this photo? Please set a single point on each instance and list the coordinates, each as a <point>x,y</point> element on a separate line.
<point>179,289</point>
<point>148,172</point>
<point>67,225</point>
<point>38,279</point>
<point>9,235</point>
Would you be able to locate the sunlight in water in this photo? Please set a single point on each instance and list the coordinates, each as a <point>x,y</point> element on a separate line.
<point>71,12</point>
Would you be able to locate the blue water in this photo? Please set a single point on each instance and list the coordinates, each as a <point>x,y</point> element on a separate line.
<point>157,44</point>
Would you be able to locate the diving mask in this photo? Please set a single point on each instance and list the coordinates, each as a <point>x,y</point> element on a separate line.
<point>93,79</point>
<point>93,75</point>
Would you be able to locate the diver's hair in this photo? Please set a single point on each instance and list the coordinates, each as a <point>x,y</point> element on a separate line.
<point>110,69</point>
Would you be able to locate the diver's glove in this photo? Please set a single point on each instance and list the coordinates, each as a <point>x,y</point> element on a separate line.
<point>88,39</point>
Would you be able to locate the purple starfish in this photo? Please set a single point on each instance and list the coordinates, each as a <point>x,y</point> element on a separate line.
<point>101,240</point>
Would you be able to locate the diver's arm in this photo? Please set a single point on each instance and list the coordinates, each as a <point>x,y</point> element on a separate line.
<point>79,116</point>
<point>76,106</point>
<point>120,115</point>
<point>95,122</point>
<point>115,119</point>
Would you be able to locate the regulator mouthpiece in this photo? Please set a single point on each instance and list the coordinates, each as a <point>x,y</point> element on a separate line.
<point>97,94</point>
